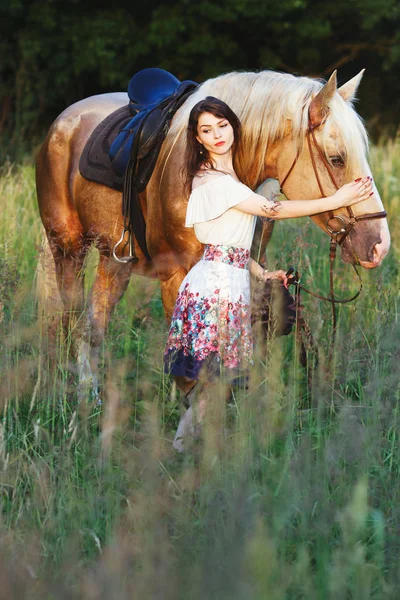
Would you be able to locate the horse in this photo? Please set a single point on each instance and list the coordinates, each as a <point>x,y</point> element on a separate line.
<point>276,111</point>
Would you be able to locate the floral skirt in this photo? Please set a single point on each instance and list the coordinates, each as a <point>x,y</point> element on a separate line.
<point>212,316</point>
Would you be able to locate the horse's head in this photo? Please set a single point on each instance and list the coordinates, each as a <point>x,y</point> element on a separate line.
<point>334,152</point>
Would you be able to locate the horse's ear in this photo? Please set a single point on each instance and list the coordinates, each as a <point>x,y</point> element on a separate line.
<point>349,89</point>
<point>319,106</point>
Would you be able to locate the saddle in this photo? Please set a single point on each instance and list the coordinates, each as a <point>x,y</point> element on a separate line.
<point>154,97</point>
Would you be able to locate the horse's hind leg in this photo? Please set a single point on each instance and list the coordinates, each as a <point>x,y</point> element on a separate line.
<point>64,230</point>
<point>67,264</point>
<point>69,273</point>
<point>110,284</point>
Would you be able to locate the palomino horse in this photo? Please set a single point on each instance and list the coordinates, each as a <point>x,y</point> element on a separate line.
<point>275,110</point>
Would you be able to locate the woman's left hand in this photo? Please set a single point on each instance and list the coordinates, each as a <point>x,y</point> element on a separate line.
<point>281,275</point>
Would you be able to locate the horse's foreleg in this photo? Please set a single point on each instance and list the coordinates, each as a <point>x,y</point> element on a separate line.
<point>110,283</point>
<point>169,291</point>
<point>262,236</point>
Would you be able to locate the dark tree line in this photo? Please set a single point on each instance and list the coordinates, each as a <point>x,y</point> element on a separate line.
<point>54,52</point>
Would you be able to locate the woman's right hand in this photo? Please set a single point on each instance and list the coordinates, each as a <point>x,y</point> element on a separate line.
<point>353,192</point>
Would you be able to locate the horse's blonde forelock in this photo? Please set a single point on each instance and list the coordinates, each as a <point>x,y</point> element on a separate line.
<point>264,102</point>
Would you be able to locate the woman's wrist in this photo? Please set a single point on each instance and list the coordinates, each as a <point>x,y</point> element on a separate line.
<point>262,276</point>
<point>335,201</point>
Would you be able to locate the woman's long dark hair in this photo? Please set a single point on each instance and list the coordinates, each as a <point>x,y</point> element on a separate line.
<point>196,156</point>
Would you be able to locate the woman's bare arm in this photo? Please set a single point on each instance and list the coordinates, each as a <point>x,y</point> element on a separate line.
<point>347,195</point>
<point>263,274</point>
<point>255,269</point>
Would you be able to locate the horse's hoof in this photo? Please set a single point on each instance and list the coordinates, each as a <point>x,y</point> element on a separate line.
<point>178,445</point>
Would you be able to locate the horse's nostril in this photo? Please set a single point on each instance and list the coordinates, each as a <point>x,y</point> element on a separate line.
<point>374,253</point>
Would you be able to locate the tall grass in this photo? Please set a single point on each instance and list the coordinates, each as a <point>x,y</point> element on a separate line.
<point>292,493</point>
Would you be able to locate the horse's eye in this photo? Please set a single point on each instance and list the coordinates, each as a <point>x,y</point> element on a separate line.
<point>337,161</point>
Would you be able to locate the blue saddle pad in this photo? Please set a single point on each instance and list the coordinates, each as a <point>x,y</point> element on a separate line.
<point>120,149</point>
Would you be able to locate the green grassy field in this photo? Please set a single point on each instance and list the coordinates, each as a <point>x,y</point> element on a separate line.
<point>290,494</point>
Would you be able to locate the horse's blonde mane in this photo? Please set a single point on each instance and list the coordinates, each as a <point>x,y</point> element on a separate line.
<point>265,102</point>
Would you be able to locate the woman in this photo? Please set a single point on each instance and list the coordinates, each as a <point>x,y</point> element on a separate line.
<point>211,324</point>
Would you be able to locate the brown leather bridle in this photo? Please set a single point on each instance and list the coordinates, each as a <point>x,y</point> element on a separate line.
<point>337,235</point>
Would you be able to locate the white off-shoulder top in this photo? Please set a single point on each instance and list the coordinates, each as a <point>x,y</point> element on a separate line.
<point>212,214</point>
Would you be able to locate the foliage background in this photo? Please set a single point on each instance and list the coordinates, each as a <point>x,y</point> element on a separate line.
<point>53,52</point>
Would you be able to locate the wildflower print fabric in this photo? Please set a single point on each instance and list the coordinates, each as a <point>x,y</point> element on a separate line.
<point>212,314</point>
<point>236,257</point>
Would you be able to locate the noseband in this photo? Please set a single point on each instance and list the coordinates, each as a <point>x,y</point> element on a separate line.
<point>337,234</point>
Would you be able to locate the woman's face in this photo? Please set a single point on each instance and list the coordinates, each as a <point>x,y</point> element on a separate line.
<point>215,134</point>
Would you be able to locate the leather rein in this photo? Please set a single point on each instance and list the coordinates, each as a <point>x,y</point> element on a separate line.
<point>337,235</point>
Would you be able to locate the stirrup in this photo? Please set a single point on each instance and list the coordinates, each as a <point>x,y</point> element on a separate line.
<point>131,258</point>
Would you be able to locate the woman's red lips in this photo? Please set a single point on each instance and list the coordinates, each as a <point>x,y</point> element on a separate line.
<point>220,143</point>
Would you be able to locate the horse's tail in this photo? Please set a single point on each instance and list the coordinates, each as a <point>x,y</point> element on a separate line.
<point>48,297</point>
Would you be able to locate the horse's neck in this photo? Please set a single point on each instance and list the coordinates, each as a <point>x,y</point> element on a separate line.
<point>263,143</point>
<point>252,172</point>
